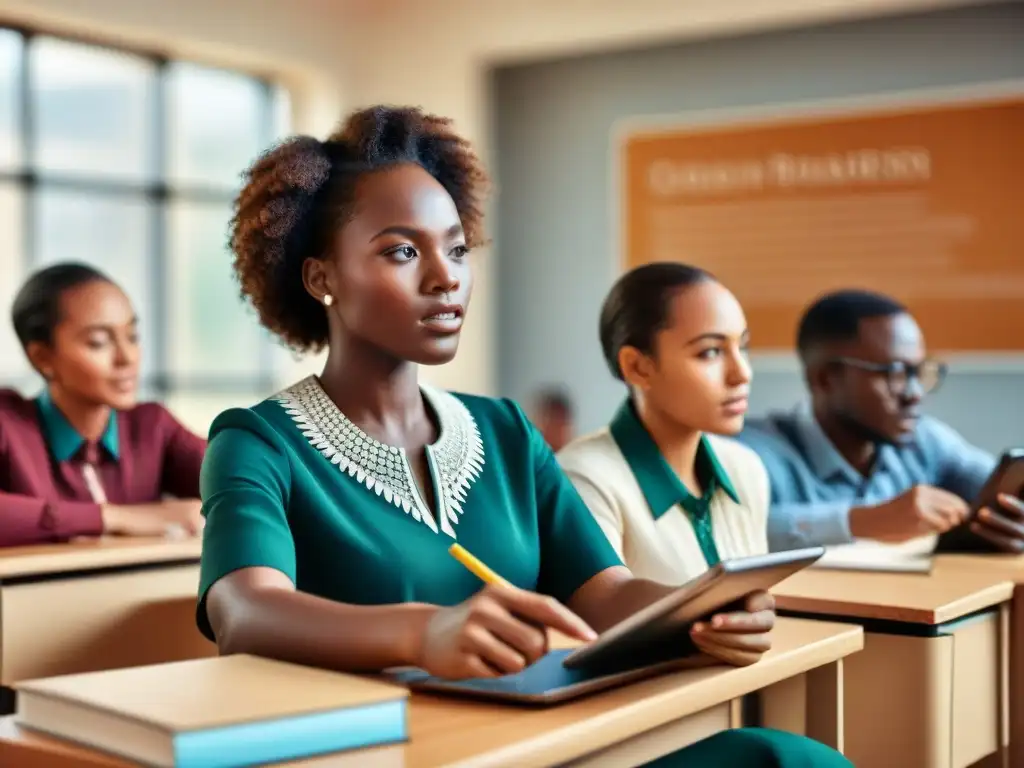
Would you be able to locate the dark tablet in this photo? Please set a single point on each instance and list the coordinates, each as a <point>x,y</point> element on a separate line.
<point>666,622</point>
<point>652,641</point>
<point>1007,477</point>
<point>547,681</point>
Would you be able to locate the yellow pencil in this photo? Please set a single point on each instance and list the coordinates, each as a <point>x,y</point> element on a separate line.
<point>475,567</point>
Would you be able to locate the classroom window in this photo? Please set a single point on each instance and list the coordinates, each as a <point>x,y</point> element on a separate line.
<point>130,162</point>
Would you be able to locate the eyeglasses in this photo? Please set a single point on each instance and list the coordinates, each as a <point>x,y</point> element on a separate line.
<point>929,374</point>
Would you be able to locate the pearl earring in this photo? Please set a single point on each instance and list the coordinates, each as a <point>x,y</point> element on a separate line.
<point>328,300</point>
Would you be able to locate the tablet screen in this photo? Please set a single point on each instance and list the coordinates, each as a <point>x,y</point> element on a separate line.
<point>665,624</point>
<point>547,681</point>
<point>1007,477</point>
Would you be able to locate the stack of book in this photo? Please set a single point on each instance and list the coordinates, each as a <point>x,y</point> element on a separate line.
<point>216,712</point>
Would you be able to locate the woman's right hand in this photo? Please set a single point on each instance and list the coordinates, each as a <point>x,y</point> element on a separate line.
<point>159,519</point>
<point>499,631</point>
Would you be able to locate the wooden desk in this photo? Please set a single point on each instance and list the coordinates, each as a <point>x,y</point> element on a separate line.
<point>627,726</point>
<point>1003,567</point>
<point>97,604</point>
<point>931,686</point>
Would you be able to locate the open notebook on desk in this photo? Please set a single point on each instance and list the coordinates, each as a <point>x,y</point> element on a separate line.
<point>914,556</point>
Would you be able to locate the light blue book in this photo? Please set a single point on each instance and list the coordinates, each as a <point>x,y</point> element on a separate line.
<point>222,712</point>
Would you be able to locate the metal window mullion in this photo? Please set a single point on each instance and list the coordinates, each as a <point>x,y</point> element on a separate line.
<point>28,150</point>
<point>159,273</point>
<point>266,351</point>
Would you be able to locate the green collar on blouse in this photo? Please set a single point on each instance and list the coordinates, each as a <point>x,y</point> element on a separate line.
<point>62,438</point>
<point>657,480</point>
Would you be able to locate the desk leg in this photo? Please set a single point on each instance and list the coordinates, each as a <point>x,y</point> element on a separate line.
<point>784,705</point>
<point>898,702</point>
<point>825,704</point>
<point>1016,704</point>
<point>810,704</point>
<point>736,713</point>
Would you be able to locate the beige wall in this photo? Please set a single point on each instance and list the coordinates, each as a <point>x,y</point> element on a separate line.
<point>436,53</point>
<point>265,36</point>
<point>340,54</point>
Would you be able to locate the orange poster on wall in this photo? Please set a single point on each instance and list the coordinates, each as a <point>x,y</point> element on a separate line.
<point>925,204</point>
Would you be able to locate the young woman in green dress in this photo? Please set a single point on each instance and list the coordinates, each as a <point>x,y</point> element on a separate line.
<point>330,507</point>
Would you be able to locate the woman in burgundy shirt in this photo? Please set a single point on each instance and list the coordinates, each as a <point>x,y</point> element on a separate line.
<point>84,458</point>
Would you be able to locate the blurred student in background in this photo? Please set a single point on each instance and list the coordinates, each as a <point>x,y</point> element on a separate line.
<point>860,460</point>
<point>672,496</point>
<point>84,458</point>
<point>554,416</point>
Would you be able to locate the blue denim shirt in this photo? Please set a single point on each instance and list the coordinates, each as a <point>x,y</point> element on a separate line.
<point>813,487</point>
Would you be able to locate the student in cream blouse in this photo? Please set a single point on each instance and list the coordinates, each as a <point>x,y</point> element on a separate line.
<point>671,495</point>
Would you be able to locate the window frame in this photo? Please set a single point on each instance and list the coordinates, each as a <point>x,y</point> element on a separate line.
<point>160,194</point>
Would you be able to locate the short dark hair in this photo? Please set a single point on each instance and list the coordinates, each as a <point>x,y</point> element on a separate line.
<point>836,317</point>
<point>556,399</point>
<point>36,309</point>
<point>297,194</point>
<point>637,307</point>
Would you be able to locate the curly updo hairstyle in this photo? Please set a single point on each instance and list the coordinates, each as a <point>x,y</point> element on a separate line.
<point>299,193</point>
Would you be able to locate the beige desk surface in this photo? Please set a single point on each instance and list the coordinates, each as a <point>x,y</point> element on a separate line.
<point>1003,566</point>
<point>944,595</point>
<point>92,554</point>
<point>451,731</point>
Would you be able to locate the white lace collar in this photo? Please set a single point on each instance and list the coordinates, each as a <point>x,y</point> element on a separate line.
<point>455,460</point>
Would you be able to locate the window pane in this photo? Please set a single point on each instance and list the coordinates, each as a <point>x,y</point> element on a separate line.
<point>197,410</point>
<point>282,117</point>
<point>13,365</point>
<point>93,110</point>
<point>110,232</point>
<point>214,333</point>
<point>218,124</point>
<point>10,98</point>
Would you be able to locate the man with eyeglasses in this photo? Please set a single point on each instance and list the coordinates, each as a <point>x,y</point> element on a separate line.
<point>860,461</point>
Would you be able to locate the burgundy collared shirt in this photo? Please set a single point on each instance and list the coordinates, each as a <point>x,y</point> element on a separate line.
<point>44,498</point>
